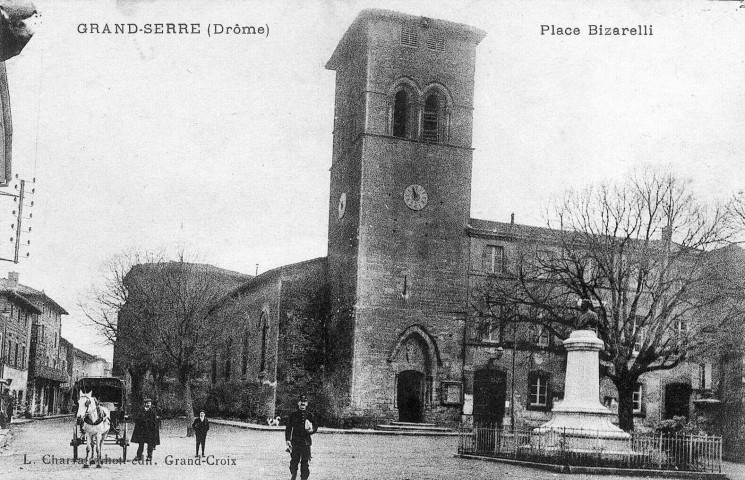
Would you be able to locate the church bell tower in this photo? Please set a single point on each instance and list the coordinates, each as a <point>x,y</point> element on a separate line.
<point>399,206</point>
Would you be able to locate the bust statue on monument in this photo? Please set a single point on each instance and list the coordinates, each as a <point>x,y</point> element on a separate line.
<point>587,319</point>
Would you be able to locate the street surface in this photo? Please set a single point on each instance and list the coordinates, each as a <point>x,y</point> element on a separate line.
<point>250,454</point>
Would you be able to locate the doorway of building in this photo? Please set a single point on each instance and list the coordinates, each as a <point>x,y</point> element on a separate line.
<point>410,396</point>
<point>489,394</point>
<point>677,399</point>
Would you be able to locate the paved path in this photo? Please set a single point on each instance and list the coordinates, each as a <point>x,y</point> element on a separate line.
<point>254,454</point>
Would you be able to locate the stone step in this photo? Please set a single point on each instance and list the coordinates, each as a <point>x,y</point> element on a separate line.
<point>417,427</point>
<point>412,424</point>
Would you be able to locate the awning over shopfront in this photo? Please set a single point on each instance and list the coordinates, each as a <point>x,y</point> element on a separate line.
<point>49,373</point>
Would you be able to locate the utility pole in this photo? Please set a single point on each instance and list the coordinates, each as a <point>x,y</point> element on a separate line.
<point>21,199</point>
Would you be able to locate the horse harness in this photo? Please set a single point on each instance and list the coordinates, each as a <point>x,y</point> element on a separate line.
<point>87,418</point>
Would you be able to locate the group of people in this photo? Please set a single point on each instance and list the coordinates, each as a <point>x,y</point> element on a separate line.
<point>301,425</point>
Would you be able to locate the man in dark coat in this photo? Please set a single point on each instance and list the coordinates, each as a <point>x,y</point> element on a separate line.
<point>200,426</point>
<point>147,430</point>
<point>300,426</point>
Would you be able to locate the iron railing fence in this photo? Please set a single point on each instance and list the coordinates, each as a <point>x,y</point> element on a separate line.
<point>577,447</point>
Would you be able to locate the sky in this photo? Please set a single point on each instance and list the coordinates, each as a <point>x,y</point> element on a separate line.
<point>222,144</point>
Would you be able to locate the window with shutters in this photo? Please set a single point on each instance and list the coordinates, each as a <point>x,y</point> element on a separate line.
<point>494,259</point>
<point>704,376</point>
<point>541,336</point>
<point>431,119</point>
<point>435,40</point>
<point>409,35</point>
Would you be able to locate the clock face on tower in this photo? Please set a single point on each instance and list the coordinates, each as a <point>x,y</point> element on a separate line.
<point>415,197</point>
<point>342,205</point>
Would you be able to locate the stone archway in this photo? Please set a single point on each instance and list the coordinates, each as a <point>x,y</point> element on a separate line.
<point>414,359</point>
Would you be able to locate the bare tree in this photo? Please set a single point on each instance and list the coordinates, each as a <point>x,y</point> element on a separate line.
<point>641,252</point>
<point>737,214</point>
<point>111,305</point>
<point>163,322</point>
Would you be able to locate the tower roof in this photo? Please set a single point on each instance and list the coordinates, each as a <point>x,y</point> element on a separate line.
<point>459,30</point>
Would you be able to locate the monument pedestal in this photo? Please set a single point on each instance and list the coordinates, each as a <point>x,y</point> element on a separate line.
<point>580,420</point>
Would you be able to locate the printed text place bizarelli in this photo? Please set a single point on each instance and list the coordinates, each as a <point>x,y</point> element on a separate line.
<point>597,30</point>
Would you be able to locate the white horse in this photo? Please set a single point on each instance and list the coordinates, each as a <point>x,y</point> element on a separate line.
<point>95,421</point>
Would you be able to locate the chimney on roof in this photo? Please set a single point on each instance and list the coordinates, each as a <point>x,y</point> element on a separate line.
<point>13,279</point>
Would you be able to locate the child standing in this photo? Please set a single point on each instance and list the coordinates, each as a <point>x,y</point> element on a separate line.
<point>200,426</point>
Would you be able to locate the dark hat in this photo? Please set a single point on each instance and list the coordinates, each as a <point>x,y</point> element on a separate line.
<point>145,400</point>
<point>302,398</point>
<point>202,411</point>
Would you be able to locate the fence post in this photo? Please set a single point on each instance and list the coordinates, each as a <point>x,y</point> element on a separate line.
<point>659,453</point>
<point>689,460</point>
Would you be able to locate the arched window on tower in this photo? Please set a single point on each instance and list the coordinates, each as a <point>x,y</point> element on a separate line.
<point>401,114</point>
<point>432,119</point>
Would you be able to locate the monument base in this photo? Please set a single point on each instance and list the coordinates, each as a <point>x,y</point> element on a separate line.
<point>581,432</point>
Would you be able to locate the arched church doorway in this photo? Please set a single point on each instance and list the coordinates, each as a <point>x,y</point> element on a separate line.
<point>410,396</point>
<point>489,394</point>
<point>677,399</point>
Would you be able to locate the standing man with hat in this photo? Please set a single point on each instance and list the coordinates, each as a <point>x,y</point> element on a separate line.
<point>300,426</point>
<point>147,430</point>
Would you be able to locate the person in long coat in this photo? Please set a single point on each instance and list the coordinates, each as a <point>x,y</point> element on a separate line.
<point>300,426</point>
<point>200,426</point>
<point>147,430</point>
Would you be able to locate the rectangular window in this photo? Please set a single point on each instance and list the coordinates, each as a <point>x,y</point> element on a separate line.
<point>490,330</point>
<point>542,336</point>
<point>15,359</point>
<point>639,341</point>
<point>704,374</point>
<point>636,398</point>
<point>23,356</point>
<point>409,35</point>
<point>494,259</point>
<point>590,270</point>
<point>538,391</point>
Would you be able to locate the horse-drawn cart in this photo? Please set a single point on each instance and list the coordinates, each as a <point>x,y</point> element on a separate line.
<point>111,394</point>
